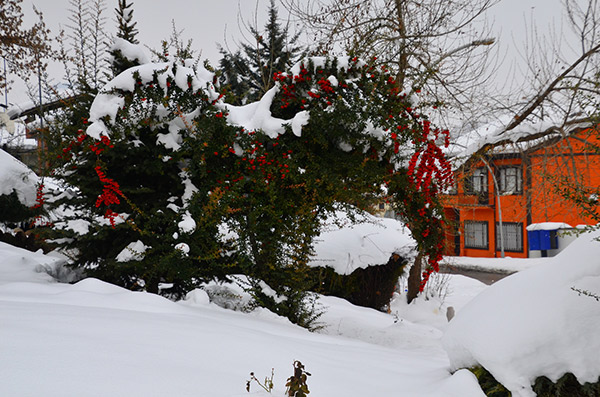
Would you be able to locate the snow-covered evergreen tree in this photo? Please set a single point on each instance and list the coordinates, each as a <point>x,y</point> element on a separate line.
<point>127,33</point>
<point>247,73</point>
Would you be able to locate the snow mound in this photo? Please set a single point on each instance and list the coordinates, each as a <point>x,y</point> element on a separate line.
<point>18,265</point>
<point>533,323</point>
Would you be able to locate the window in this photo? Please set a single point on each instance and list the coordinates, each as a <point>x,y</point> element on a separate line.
<point>510,180</point>
<point>513,236</point>
<point>477,183</point>
<point>453,189</point>
<point>476,234</point>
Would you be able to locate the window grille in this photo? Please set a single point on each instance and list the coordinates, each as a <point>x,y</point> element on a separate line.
<point>513,236</point>
<point>476,234</point>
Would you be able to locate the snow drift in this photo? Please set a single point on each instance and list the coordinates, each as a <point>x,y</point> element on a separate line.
<point>534,323</point>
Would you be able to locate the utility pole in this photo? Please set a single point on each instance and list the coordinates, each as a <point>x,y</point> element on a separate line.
<point>5,85</point>
<point>497,192</point>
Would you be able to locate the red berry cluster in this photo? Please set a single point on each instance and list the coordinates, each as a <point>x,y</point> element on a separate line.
<point>97,146</point>
<point>110,194</point>
<point>39,196</point>
<point>81,136</point>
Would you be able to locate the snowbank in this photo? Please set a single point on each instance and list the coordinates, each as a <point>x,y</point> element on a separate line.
<point>533,323</point>
<point>20,265</point>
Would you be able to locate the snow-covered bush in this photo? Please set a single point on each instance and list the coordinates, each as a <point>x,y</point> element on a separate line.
<point>210,189</point>
<point>532,324</point>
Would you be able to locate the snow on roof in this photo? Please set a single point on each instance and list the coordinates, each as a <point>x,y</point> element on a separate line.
<point>466,145</point>
<point>533,323</point>
<point>548,226</point>
<point>16,176</point>
<point>15,110</point>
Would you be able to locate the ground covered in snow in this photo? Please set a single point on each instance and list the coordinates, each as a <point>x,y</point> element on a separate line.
<point>95,339</point>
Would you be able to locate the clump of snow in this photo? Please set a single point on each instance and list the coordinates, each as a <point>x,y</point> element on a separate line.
<point>183,247</point>
<point>270,292</point>
<point>533,323</point>
<point>299,120</point>
<point>346,246</point>
<point>16,176</point>
<point>78,226</point>
<point>187,223</point>
<point>134,251</point>
<point>132,52</point>
<point>257,115</point>
<point>197,297</point>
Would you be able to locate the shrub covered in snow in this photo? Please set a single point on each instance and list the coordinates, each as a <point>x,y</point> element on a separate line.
<point>176,187</point>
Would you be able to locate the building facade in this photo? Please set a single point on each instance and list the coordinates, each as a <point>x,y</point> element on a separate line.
<point>499,195</point>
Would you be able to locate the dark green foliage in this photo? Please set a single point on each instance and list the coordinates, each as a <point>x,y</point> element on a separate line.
<point>150,193</point>
<point>247,74</point>
<point>126,31</point>
<point>369,287</point>
<point>490,386</point>
<point>13,211</point>
<point>566,386</point>
<point>20,218</point>
<point>257,198</point>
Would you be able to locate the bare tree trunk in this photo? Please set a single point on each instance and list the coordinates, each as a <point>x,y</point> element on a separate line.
<point>403,56</point>
<point>414,278</point>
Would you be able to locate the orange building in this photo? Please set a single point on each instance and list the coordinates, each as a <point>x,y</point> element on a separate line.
<point>515,186</point>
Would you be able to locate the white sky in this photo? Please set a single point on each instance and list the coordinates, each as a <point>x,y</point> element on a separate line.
<point>209,22</point>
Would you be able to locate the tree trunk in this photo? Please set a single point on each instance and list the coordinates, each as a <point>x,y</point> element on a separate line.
<point>414,279</point>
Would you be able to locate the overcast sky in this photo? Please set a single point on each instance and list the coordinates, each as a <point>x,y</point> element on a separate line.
<point>209,22</point>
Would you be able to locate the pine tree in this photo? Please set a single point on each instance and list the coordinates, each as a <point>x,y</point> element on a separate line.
<point>248,73</point>
<point>126,31</point>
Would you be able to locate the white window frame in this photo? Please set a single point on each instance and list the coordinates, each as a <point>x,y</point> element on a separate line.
<point>478,182</point>
<point>510,180</point>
